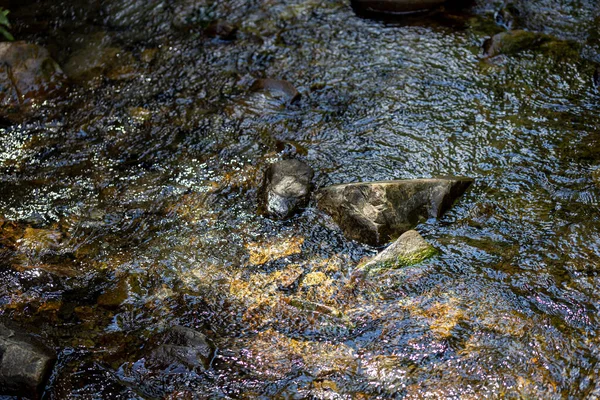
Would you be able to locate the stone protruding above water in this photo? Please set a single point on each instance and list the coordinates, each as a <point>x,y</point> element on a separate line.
<point>286,188</point>
<point>27,75</point>
<point>183,346</point>
<point>409,249</point>
<point>276,87</point>
<point>25,364</point>
<point>377,212</point>
<point>394,6</point>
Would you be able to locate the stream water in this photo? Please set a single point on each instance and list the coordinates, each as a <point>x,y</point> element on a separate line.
<point>129,205</point>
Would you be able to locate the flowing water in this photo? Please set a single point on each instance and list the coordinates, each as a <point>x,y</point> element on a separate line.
<point>129,205</point>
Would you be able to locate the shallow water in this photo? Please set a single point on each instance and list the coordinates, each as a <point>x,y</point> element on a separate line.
<point>139,190</point>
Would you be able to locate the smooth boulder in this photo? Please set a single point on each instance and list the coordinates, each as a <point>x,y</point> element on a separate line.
<point>394,6</point>
<point>185,347</point>
<point>409,249</point>
<point>27,75</point>
<point>286,188</point>
<point>277,88</point>
<point>378,212</point>
<point>25,364</point>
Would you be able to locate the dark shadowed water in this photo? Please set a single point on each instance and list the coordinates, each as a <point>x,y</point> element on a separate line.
<point>130,205</point>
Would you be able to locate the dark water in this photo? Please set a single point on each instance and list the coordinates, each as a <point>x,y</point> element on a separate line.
<point>130,205</point>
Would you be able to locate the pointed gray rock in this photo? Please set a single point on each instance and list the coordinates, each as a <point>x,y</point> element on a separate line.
<point>378,212</point>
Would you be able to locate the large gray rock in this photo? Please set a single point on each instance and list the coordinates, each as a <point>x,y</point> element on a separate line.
<point>286,188</point>
<point>377,212</point>
<point>409,249</point>
<point>27,75</point>
<point>183,346</point>
<point>25,364</point>
<point>394,6</point>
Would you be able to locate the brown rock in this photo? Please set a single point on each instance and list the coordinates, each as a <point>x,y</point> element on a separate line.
<point>27,75</point>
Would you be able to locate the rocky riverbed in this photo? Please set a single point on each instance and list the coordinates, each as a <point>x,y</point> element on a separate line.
<point>244,199</point>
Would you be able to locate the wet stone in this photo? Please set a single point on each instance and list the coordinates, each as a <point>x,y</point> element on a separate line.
<point>377,212</point>
<point>513,42</point>
<point>39,240</point>
<point>27,75</point>
<point>25,364</point>
<point>183,346</point>
<point>394,6</point>
<point>264,252</point>
<point>314,279</point>
<point>287,278</point>
<point>221,29</point>
<point>286,188</point>
<point>115,296</point>
<point>276,87</point>
<point>409,249</point>
<point>95,58</point>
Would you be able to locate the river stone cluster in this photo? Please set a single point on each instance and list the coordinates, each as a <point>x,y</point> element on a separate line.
<point>374,213</point>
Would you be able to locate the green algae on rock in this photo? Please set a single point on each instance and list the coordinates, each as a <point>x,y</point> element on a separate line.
<point>516,41</point>
<point>513,42</point>
<point>409,249</point>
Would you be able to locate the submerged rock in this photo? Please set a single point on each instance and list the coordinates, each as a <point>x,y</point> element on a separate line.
<point>222,30</point>
<point>394,6</point>
<point>286,188</point>
<point>25,364</point>
<point>183,346</point>
<point>27,75</point>
<point>409,249</point>
<point>267,251</point>
<point>277,87</point>
<point>512,42</point>
<point>377,212</point>
<point>313,307</point>
<point>96,58</point>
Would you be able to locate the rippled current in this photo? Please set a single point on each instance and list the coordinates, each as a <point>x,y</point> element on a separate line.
<point>130,204</point>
